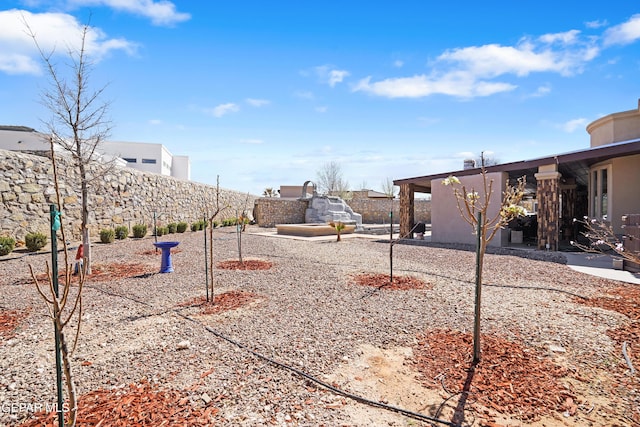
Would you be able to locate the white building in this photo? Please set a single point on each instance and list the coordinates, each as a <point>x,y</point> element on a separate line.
<point>146,157</point>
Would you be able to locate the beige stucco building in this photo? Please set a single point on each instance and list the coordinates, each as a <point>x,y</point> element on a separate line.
<point>602,181</point>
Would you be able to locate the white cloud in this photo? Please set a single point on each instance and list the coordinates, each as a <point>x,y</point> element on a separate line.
<point>161,12</point>
<point>251,141</point>
<point>55,32</point>
<point>477,70</point>
<point>625,33</point>
<point>572,125</point>
<point>596,24</point>
<point>455,84</point>
<point>331,76</point>
<point>304,94</point>
<point>541,91</point>
<point>257,102</point>
<point>398,63</point>
<point>155,122</point>
<point>222,109</point>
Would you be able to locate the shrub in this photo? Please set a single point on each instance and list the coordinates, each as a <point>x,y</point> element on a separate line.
<point>195,226</point>
<point>172,227</point>
<point>35,241</point>
<point>107,235</point>
<point>122,232</point>
<point>139,231</point>
<point>182,227</point>
<point>7,244</point>
<point>159,231</point>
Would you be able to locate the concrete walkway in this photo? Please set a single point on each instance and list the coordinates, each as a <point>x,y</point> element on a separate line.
<point>600,265</point>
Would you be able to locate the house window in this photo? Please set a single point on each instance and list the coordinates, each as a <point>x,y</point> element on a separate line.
<point>599,192</point>
<point>149,161</point>
<point>129,160</point>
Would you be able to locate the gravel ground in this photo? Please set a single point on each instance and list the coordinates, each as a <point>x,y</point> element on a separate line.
<point>308,315</point>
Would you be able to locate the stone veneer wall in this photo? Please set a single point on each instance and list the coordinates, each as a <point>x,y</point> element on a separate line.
<point>124,196</point>
<point>269,211</point>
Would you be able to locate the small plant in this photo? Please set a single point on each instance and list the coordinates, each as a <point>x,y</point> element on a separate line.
<point>35,241</point>
<point>195,226</point>
<point>159,231</point>
<point>172,227</point>
<point>7,244</point>
<point>182,227</point>
<point>139,231</point>
<point>122,232</point>
<point>338,226</point>
<point>107,235</point>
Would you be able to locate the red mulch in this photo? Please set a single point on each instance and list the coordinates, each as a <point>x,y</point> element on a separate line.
<point>119,270</point>
<point>9,321</point>
<point>230,300</point>
<point>139,405</point>
<point>253,264</point>
<point>624,300</point>
<point>510,379</point>
<point>382,281</point>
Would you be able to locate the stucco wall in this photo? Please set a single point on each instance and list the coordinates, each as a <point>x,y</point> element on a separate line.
<point>625,197</point>
<point>123,196</point>
<point>447,226</point>
<point>616,127</point>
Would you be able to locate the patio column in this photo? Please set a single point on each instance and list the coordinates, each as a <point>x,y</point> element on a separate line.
<point>548,195</point>
<point>406,209</point>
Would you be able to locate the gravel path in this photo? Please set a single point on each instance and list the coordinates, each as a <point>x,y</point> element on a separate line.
<point>308,315</point>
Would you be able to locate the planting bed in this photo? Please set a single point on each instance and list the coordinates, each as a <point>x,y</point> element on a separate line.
<point>319,335</point>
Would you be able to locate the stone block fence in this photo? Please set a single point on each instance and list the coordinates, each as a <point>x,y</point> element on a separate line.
<point>269,211</point>
<point>122,196</point>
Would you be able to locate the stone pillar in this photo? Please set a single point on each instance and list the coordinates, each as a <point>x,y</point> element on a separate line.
<point>406,210</point>
<point>548,195</point>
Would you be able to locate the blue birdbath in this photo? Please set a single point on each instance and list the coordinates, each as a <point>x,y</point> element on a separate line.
<point>166,266</point>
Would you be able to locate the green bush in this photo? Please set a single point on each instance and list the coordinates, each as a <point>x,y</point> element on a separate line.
<point>107,235</point>
<point>139,231</point>
<point>7,244</point>
<point>159,231</point>
<point>195,226</point>
<point>35,241</point>
<point>172,227</point>
<point>182,227</point>
<point>122,232</point>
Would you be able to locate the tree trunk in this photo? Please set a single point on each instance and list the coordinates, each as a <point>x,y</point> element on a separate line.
<point>480,250</point>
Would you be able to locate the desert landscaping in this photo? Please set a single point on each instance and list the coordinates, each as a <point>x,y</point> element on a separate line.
<point>309,332</point>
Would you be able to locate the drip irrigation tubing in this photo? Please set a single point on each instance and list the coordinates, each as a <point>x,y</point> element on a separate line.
<point>354,397</point>
<point>360,399</point>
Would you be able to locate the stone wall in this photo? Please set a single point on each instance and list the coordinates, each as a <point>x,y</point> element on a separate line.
<point>269,211</point>
<point>122,196</point>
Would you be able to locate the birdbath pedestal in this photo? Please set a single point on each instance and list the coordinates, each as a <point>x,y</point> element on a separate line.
<point>166,266</point>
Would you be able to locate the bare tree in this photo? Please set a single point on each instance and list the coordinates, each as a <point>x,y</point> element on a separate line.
<point>473,208</point>
<point>270,192</point>
<point>388,188</point>
<point>63,306</point>
<point>79,122</point>
<point>331,181</point>
<point>219,207</point>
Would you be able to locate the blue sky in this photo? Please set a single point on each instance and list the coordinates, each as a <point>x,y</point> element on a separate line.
<point>264,94</point>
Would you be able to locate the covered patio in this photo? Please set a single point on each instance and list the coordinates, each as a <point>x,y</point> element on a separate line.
<point>600,182</point>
